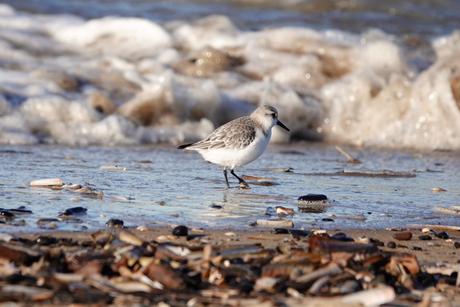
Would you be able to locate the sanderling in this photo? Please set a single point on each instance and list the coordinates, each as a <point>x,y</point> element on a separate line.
<point>239,141</point>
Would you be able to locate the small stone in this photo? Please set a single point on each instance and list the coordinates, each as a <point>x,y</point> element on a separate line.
<point>391,244</point>
<point>457,244</point>
<point>280,231</point>
<point>114,223</point>
<point>312,197</point>
<point>442,235</point>
<point>341,236</point>
<point>6,214</point>
<point>297,233</point>
<point>180,231</point>
<point>403,236</point>
<point>424,237</point>
<point>438,190</point>
<point>74,211</point>
<point>327,220</point>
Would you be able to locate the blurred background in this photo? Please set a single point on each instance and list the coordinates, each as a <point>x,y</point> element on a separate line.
<point>99,72</point>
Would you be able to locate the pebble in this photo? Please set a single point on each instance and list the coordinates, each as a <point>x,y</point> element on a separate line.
<point>327,220</point>
<point>297,233</point>
<point>142,228</point>
<point>280,231</point>
<point>391,244</point>
<point>114,223</point>
<point>74,211</point>
<point>341,236</point>
<point>180,231</point>
<point>312,197</point>
<point>6,214</point>
<point>403,236</point>
<point>438,190</point>
<point>442,235</point>
<point>424,237</point>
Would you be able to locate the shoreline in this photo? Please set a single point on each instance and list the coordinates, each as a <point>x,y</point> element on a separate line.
<point>257,248</point>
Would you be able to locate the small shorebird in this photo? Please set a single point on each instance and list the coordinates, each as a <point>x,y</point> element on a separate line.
<point>239,141</point>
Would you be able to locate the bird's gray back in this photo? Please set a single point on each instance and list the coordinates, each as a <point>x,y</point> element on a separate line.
<point>235,134</point>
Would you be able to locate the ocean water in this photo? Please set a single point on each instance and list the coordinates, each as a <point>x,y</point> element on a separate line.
<point>164,186</point>
<point>85,84</point>
<point>366,73</point>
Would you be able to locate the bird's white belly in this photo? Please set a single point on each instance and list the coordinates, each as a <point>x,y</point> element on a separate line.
<point>237,157</point>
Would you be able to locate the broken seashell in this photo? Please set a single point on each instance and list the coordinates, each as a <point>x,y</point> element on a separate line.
<point>114,168</point>
<point>128,237</point>
<point>46,182</point>
<point>372,297</point>
<point>276,223</point>
<point>284,211</point>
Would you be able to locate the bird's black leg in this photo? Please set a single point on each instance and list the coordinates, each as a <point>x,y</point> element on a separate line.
<point>226,179</point>
<point>243,184</point>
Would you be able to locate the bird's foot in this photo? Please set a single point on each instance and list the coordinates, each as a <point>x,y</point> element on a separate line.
<point>244,185</point>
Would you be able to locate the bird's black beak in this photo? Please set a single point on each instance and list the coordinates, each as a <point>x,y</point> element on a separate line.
<point>282,125</point>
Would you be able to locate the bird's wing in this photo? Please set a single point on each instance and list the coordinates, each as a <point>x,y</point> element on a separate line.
<point>236,134</point>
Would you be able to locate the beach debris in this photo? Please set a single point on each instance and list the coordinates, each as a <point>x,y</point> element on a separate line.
<point>180,231</point>
<point>280,170</point>
<point>6,215</point>
<point>111,268</point>
<point>114,168</point>
<point>451,210</point>
<point>424,237</point>
<point>349,159</point>
<point>434,226</point>
<point>276,223</point>
<point>442,235</point>
<point>312,198</point>
<point>46,182</point>
<point>129,238</point>
<point>114,223</point>
<point>378,173</point>
<point>403,236</point>
<point>283,211</point>
<point>90,192</point>
<point>74,211</point>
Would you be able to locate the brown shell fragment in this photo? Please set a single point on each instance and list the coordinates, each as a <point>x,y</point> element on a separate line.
<point>166,276</point>
<point>19,254</point>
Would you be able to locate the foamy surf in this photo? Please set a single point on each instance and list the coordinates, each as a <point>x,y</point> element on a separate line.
<point>125,80</point>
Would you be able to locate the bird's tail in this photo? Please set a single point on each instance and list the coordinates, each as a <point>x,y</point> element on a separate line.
<point>184,146</point>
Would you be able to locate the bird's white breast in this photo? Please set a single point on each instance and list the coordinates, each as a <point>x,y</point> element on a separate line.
<point>239,157</point>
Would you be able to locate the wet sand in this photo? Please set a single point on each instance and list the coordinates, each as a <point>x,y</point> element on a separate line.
<point>436,258</point>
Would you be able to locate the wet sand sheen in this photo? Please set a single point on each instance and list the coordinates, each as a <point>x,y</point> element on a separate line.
<point>156,186</point>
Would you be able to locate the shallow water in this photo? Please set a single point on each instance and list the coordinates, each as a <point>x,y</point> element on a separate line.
<point>165,186</point>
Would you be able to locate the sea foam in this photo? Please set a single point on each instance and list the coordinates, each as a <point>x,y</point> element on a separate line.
<point>125,80</point>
